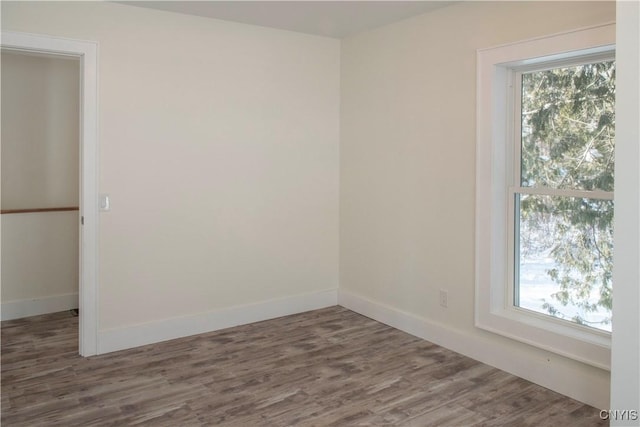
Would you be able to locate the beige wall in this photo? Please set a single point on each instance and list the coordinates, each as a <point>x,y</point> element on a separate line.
<point>39,256</point>
<point>408,163</point>
<point>218,144</point>
<point>39,131</point>
<point>39,170</point>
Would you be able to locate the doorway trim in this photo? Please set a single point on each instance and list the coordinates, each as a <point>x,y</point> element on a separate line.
<point>87,53</point>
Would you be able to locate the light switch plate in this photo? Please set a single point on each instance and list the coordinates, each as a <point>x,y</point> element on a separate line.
<point>105,202</point>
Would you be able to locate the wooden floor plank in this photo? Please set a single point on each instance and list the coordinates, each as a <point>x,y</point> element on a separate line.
<point>321,368</point>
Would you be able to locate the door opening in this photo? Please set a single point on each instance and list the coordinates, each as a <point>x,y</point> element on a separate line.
<point>40,183</point>
<point>86,53</point>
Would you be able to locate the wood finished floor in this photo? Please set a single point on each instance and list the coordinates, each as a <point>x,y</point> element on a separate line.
<point>328,367</point>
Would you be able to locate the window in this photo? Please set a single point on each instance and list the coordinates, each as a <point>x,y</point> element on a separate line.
<point>562,190</point>
<point>544,234</point>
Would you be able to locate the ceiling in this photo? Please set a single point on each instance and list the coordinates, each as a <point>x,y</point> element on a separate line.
<point>335,19</point>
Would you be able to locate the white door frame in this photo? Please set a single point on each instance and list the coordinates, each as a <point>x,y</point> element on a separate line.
<point>87,53</point>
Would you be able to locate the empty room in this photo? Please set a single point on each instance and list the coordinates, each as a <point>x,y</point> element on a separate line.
<point>279,213</point>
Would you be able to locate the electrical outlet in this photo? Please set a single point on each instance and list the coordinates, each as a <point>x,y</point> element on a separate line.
<point>443,298</point>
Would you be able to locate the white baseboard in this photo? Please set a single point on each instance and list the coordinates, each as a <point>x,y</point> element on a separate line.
<point>149,333</point>
<point>33,307</point>
<point>564,377</point>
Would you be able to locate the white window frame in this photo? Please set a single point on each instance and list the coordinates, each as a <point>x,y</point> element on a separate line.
<point>495,151</point>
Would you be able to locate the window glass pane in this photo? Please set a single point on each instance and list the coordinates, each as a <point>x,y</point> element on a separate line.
<point>564,258</point>
<point>568,127</point>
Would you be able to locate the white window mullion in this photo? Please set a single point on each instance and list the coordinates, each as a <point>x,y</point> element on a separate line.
<point>514,147</point>
<point>545,191</point>
<point>513,263</point>
<point>516,132</point>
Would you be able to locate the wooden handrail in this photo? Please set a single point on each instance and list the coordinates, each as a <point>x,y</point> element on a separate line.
<point>15,211</point>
